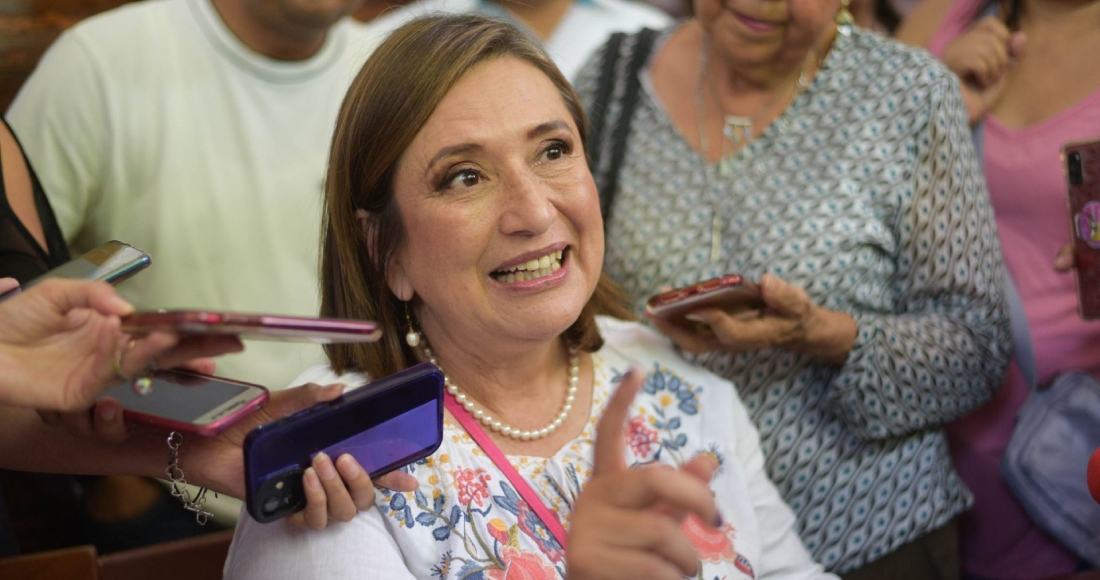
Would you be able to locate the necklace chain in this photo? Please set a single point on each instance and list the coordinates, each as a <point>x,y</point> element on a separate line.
<point>502,428</point>
<point>738,131</point>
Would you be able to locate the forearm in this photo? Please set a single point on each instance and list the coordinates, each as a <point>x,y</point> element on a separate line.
<point>28,444</point>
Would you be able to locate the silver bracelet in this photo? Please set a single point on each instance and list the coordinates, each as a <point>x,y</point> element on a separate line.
<point>179,482</point>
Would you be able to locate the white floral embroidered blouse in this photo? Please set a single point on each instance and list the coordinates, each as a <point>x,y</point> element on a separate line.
<point>467,521</point>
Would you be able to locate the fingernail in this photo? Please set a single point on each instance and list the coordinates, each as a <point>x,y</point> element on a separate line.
<point>310,478</point>
<point>695,318</point>
<point>123,306</point>
<point>347,466</point>
<point>108,413</point>
<point>323,464</point>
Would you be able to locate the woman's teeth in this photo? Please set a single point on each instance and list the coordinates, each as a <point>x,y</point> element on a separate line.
<point>531,270</point>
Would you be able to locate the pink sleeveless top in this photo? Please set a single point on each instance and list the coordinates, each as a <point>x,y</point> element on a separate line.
<point>1024,171</point>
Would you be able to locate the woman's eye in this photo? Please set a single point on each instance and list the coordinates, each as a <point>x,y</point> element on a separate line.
<point>463,178</point>
<point>555,151</point>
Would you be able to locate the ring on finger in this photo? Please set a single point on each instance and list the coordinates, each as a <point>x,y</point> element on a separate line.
<point>118,368</point>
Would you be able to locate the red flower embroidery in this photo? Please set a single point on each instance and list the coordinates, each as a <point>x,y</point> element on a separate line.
<point>472,485</point>
<point>641,436</point>
<point>522,566</point>
<point>713,545</point>
<point>498,530</point>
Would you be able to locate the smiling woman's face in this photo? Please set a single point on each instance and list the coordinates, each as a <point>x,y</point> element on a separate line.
<point>504,240</point>
<point>754,32</point>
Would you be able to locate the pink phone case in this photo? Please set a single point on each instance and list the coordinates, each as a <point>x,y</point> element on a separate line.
<point>731,293</point>
<point>253,326</point>
<point>1081,161</point>
<point>190,402</point>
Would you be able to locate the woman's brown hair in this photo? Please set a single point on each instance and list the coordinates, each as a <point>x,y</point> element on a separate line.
<point>389,101</point>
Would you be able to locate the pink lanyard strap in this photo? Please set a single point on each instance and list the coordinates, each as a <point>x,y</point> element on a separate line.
<point>483,440</point>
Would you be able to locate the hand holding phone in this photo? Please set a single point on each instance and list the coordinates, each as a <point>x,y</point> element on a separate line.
<point>1082,168</point>
<point>731,293</point>
<point>384,425</point>
<point>189,402</point>
<point>252,326</point>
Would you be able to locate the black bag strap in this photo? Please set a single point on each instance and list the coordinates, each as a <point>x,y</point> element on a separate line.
<point>621,127</point>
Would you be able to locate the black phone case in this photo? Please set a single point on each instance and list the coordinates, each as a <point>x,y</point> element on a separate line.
<point>277,453</point>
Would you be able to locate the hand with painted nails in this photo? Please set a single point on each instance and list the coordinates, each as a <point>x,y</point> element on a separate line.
<point>60,345</point>
<point>627,522</point>
<point>789,320</point>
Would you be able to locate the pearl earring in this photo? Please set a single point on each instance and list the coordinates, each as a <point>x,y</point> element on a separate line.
<point>413,337</point>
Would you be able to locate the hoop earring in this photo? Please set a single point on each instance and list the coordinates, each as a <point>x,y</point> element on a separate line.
<point>413,337</point>
<point>845,22</point>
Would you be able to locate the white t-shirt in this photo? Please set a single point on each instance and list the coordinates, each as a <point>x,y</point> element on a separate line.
<point>154,125</point>
<point>583,28</point>
<point>466,517</point>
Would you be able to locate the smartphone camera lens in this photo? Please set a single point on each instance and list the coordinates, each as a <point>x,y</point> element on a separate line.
<point>271,504</point>
<point>1073,167</point>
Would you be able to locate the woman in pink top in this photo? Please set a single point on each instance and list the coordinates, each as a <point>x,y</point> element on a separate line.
<point>1033,90</point>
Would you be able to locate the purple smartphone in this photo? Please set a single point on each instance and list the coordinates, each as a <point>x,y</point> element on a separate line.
<point>384,425</point>
<point>189,402</point>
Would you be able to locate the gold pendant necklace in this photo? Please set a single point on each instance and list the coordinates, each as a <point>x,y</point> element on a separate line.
<point>738,131</point>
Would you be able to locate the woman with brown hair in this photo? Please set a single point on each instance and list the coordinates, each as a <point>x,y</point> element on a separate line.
<point>460,208</point>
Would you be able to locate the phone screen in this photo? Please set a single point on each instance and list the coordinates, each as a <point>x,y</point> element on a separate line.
<point>380,447</point>
<point>186,401</point>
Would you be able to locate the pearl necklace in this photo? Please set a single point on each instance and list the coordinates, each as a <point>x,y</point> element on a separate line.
<point>507,430</point>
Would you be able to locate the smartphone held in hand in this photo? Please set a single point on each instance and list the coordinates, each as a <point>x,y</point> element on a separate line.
<point>1082,168</point>
<point>112,262</point>
<point>384,425</point>
<point>189,402</point>
<point>731,293</point>
<point>253,326</point>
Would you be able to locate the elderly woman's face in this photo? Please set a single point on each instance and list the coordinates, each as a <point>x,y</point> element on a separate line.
<point>758,31</point>
<point>504,235</point>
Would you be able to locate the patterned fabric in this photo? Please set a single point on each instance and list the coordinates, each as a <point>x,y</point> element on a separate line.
<point>467,521</point>
<point>865,193</point>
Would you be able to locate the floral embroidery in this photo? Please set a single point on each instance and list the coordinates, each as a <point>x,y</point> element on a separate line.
<point>472,485</point>
<point>520,565</point>
<point>713,545</point>
<point>640,436</point>
<point>662,420</point>
<point>483,529</point>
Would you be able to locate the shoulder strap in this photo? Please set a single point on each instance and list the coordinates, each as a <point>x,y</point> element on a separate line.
<point>598,114</point>
<point>620,134</point>
<point>552,523</point>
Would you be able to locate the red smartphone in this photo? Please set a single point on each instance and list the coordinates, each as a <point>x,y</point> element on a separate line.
<point>1082,167</point>
<point>384,425</point>
<point>253,326</point>
<point>732,293</point>
<point>189,402</point>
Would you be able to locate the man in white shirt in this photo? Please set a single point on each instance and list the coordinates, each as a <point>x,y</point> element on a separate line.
<point>198,131</point>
